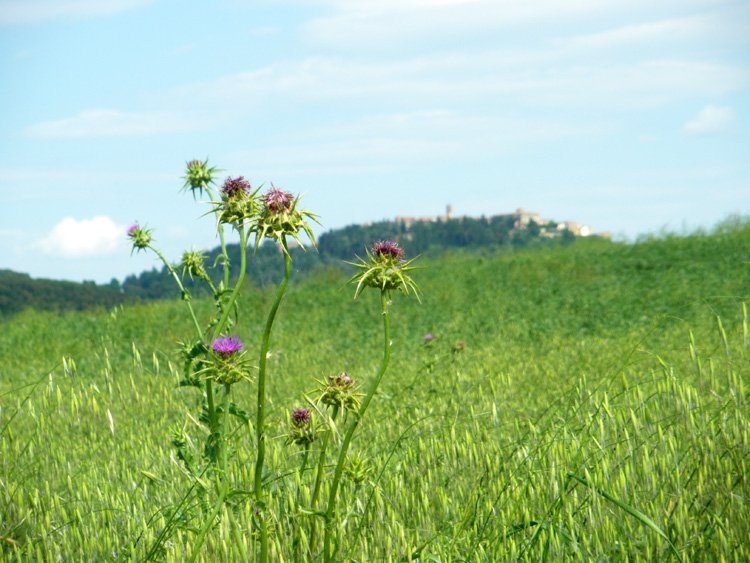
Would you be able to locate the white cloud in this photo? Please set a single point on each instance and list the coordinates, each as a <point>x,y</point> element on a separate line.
<point>711,119</point>
<point>676,29</point>
<point>448,79</point>
<point>13,12</point>
<point>359,22</point>
<point>111,123</point>
<point>72,238</point>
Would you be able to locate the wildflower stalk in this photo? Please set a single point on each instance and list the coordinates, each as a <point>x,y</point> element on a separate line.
<point>215,433</point>
<point>329,515</point>
<point>183,291</point>
<point>240,280</point>
<point>260,421</point>
<point>319,471</point>
<point>224,255</point>
<point>222,481</point>
<point>303,466</point>
<point>321,459</point>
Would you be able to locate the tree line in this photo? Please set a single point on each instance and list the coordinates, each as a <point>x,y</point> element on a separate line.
<point>19,291</point>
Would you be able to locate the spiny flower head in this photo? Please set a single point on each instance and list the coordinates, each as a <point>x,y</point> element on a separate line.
<point>385,268</point>
<point>302,431</point>
<point>198,176</point>
<point>339,390</point>
<point>226,345</point>
<point>279,218</point>
<point>192,264</point>
<point>228,364</point>
<point>139,236</point>
<point>235,187</point>
<point>387,250</point>
<point>238,204</point>
<point>300,418</point>
<point>277,201</point>
<point>341,381</point>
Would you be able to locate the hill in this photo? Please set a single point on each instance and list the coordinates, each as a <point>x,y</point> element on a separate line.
<point>20,291</point>
<point>431,236</point>
<point>587,402</point>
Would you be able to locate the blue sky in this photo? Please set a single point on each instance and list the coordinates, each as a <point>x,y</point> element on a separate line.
<point>625,115</point>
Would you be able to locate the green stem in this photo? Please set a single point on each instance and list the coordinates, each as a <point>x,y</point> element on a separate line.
<point>329,521</point>
<point>225,261</point>
<point>223,443</point>
<point>296,527</point>
<point>212,421</point>
<point>243,265</point>
<point>321,460</point>
<point>259,426</point>
<point>319,475</point>
<point>183,291</point>
<point>224,482</point>
<point>220,229</point>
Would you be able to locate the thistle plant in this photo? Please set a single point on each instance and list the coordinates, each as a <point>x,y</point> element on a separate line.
<point>216,359</point>
<point>385,269</point>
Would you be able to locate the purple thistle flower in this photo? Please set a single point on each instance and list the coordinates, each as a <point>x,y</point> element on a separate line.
<point>387,249</point>
<point>133,228</point>
<point>300,418</point>
<point>277,201</point>
<point>341,381</point>
<point>427,338</point>
<point>226,345</point>
<point>234,187</point>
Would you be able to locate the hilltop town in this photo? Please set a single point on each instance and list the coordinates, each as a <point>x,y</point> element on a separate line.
<point>520,219</point>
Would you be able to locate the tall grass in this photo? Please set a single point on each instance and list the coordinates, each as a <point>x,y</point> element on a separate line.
<point>585,403</point>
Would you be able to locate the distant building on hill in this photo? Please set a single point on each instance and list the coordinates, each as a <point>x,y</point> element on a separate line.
<point>521,220</point>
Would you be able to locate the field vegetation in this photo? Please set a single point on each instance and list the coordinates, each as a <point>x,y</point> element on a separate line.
<point>583,402</point>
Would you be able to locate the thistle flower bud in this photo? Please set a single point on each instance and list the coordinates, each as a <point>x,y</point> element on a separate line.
<point>226,346</point>
<point>277,201</point>
<point>235,187</point>
<point>139,236</point>
<point>228,365</point>
<point>198,176</point>
<point>385,269</point>
<point>300,418</point>
<point>340,391</point>
<point>302,431</point>
<point>192,264</point>
<point>387,250</point>
<point>280,217</point>
<point>237,203</point>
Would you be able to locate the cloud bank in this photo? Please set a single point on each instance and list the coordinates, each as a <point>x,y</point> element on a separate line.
<point>711,119</point>
<point>14,12</point>
<point>110,123</point>
<point>72,238</point>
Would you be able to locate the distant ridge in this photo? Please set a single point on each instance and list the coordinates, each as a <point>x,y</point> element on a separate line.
<point>419,235</point>
<point>20,291</point>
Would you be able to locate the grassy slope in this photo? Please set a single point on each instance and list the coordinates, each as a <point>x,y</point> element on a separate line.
<point>577,361</point>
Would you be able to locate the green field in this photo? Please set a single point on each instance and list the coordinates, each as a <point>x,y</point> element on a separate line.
<point>587,402</point>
